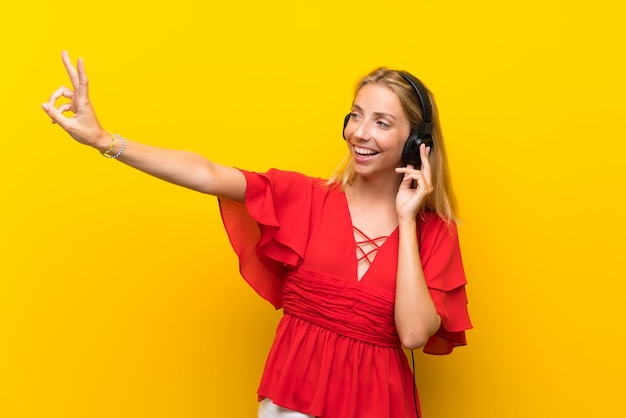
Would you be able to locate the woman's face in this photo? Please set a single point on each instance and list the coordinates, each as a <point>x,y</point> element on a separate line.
<point>377,130</point>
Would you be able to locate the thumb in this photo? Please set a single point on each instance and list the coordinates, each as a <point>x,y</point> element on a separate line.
<point>55,115</point>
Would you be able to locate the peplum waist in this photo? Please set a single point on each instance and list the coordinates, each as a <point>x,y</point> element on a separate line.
<point>340,307</point>
<point>319,372</point>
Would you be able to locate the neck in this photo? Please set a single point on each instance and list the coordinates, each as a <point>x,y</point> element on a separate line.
<point>374,190</point>
<point>372,205</point>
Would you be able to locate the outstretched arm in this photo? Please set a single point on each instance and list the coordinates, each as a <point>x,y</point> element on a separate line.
<point>183,168</point>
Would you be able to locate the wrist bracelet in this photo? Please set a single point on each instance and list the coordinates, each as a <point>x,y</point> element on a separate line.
<point>106,154</point>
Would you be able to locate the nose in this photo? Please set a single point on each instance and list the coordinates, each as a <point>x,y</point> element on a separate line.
<point>361,131</point>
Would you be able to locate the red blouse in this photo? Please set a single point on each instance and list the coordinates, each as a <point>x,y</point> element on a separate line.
<point>337,353</point>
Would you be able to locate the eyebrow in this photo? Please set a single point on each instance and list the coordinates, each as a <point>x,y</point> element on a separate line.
<point>377,114</point>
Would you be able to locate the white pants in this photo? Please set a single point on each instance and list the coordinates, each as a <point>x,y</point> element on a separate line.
<point>268,409</point>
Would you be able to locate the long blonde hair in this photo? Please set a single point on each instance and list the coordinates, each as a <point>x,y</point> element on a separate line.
<point>442,199</point>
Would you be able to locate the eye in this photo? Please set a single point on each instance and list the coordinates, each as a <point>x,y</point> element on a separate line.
<point>382,124</point>
<point>354,115</point>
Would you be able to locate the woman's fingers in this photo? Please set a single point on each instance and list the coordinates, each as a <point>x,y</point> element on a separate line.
<point>411,177</point>
<point>69,67</point>
<point>60,92</point>
<point>64,107</point>
<point>418,178</point>
<point>55,115</point>
<point>425,168</point>
<point>83,125</point>
<point>79,96</point>
<point>83,83</point>
<point>415,176</point>
<point>78,78</point>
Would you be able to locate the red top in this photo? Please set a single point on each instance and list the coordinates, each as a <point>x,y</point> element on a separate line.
<point>337,353</point>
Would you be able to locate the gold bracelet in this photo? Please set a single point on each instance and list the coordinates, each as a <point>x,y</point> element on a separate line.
<point>106,154</point>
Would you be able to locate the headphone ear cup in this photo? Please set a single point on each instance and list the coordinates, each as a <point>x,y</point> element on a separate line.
<point>345,123</point>
<point>411,151</point>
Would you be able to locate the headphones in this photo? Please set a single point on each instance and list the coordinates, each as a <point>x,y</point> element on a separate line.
<point>423,134</point>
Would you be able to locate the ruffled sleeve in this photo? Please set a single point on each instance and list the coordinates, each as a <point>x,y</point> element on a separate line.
<point>271,230</point>
<point>445,277</point>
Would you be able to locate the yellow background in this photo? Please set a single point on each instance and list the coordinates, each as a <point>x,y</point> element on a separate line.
<point>120,295</point>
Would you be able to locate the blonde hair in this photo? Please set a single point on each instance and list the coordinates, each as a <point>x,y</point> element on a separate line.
<point>442,199</point>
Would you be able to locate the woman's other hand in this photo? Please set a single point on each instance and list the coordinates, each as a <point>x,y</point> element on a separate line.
<point>416,186</point>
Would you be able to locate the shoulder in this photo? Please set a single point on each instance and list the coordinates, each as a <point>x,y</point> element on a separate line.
<point>441,253</point>
<point>280,179</point>
<point>431,224</point>
<point>438,237</point>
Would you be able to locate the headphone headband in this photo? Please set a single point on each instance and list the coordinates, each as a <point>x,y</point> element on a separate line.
<point>426,126</point>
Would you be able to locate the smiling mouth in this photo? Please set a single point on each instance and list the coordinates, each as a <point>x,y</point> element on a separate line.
<point>364,152</point>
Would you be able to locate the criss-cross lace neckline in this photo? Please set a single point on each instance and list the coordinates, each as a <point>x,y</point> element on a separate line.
<point>367,248</point>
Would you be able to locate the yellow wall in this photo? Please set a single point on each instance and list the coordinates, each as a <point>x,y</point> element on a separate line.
<point>119,294</point>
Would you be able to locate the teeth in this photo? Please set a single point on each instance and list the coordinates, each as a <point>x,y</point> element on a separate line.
<point>364,151</point>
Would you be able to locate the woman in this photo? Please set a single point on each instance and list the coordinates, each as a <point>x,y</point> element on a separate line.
<point>362,264</point>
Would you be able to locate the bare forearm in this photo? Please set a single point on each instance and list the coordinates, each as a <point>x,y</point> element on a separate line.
<point>183,168</point>
<point>415,314</point>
